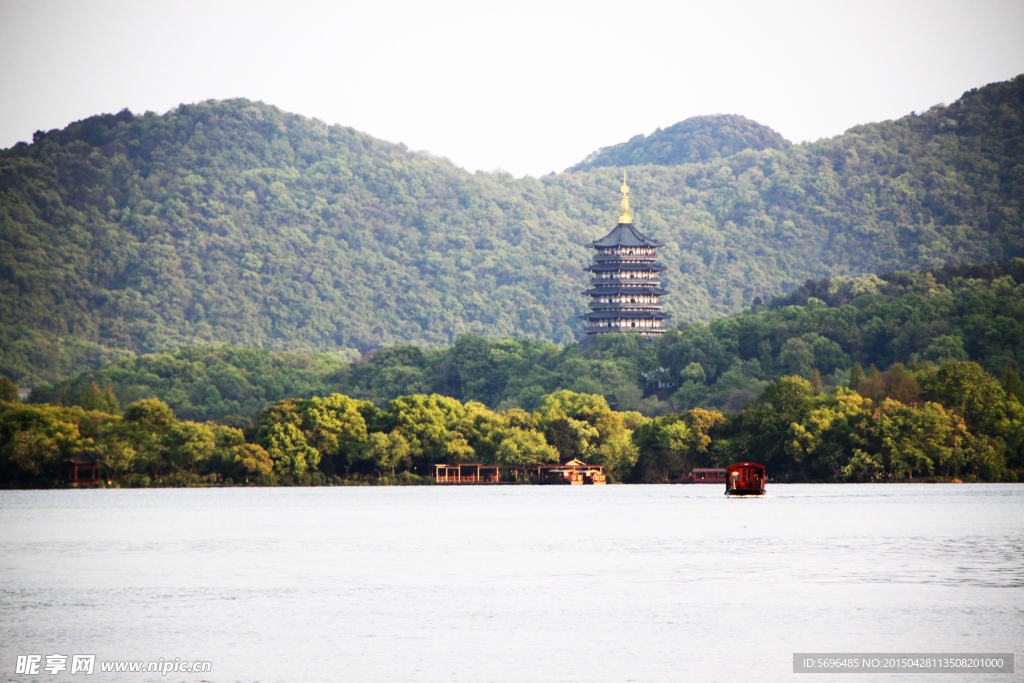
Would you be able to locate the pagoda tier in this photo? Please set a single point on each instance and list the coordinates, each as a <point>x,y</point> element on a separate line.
<point>625,287</point>
<point>603,290</point>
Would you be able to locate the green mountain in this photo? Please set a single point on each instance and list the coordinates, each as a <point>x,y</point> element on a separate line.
<point>234,222</point>
<point>696,140</point>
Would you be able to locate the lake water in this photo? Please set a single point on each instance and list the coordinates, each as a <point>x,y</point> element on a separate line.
<point>510,583</point>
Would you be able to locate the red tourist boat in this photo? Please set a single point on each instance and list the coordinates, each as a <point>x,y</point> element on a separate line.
<point>744,479</point>
<point>705,475</point>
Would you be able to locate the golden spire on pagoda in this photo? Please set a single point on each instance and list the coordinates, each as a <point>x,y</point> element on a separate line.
<point>625,217</point>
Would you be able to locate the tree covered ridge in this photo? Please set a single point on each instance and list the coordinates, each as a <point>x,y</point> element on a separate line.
<point>698,139</point>
<point>233,222</point>
<point>825,329</point>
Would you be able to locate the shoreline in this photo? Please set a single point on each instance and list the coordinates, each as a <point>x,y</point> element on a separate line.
<point>364,484</point>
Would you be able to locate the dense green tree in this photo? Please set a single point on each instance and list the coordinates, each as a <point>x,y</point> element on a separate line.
<point>670,446</point>
<point>572,439</point>
<point>915,439</point>
<point>1010,381</point>
<point>385,452</point>
<point>336,428</point>
<point>822,442</point>
<point>34,439</point>
<point>766,424</point>
<point>252,460</point>
<point>898,383</point>
<point>567,404</point>
<point>8,390</point>
<point>147,430</point>
<point>976,395</point>
<point>191,445</point>
<point>524,448</point>
<point>429,425</point>
<point>570,421</point>
<point>693,373</point>
<point>288,449</point>
<point>664,445</point>
<point>856,374</point>
<point>94,398</point>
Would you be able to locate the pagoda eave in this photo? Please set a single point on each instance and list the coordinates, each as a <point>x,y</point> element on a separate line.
<point>642,331</point>
<point>624,315</point>
<point>652,290</point>
<point>631,267</point>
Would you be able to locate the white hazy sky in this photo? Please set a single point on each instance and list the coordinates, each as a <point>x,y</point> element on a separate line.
<point>529,87</point>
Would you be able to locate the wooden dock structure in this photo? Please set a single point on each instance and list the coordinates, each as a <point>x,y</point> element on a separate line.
<point>574,472</point>
<point>475,473</point>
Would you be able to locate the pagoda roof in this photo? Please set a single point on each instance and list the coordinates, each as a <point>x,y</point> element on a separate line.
<point>624,235</point>
<point>647,291</point>
<point>605,267</point>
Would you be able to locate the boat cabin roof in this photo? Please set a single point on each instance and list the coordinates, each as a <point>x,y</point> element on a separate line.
<point>746,465</point>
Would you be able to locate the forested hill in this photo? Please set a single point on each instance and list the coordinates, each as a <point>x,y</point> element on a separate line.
<point>831,329</point>
<point>696,140</point>
<point>236,222</point>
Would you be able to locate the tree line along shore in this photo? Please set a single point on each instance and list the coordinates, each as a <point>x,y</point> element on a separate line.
<point>909,423</point>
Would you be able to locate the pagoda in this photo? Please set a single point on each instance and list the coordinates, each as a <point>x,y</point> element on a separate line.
<point>625,290</point>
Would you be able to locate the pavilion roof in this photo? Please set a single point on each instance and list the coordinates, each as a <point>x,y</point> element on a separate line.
<point>83,458</point>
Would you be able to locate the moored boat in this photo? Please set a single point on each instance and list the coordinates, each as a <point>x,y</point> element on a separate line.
<point>705,475</point>
<point>563,476</point>
<point>573,472</point>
